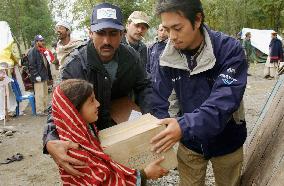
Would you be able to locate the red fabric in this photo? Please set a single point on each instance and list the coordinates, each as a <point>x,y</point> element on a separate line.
<point>48,54</point>
<point>101,170</point>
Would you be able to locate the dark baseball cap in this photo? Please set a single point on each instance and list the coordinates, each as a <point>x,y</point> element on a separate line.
<point>39,38</point>
<point>106,15</point>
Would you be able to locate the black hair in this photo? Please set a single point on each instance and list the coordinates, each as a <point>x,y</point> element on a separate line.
<point>77,91</point>
<point>189,9</point>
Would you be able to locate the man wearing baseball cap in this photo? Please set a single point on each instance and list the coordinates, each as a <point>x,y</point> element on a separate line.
<point>40,73</point>
<point>114,70</point>
<point>66,43</point>
<point>136,27</point>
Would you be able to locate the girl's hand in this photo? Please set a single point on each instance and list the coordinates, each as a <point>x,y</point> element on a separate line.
<point>154,170</point>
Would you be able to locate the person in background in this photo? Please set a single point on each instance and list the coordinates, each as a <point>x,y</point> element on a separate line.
<point>208,71</point>
<point>54,64</point>
<point>274,58</point>
<point>136,28</point>
<point>66,43</point>
<point>156,49</point>
<point>239,36</point>
<point>39,70</point>
<point>248,48</point>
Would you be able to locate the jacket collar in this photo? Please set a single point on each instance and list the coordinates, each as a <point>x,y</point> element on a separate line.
<point>173,58</point>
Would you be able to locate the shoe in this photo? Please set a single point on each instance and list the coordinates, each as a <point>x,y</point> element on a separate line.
<point>267,76</point>
<point>16,157</point>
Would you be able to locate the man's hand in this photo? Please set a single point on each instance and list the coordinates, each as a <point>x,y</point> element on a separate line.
<point>58,151</point>
<point>38,79</point>
<point>168,137</point>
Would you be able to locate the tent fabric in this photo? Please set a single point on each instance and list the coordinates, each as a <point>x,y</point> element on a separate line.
<point>260,39</point>
<point>7,62</point>
<point>6,42</point>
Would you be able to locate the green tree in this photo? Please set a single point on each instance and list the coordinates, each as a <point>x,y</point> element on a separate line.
<point>230,16</point>
<point>27,18</point>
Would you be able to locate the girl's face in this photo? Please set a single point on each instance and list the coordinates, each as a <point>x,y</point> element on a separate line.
<point>89,110</point>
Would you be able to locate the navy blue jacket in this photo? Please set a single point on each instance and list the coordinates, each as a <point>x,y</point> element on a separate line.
<point>154,52</point>
<point>208,95</point>
<point>276,50</point>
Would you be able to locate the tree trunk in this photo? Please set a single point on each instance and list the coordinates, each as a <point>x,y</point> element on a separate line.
<point>18,46</point>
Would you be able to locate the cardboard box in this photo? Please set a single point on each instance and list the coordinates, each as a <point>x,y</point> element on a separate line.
<point>129,143</point>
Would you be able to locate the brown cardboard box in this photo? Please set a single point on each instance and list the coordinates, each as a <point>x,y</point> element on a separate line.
<point>129,143</point>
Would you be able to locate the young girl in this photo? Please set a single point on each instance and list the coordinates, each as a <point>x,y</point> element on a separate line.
<point>75,109</point>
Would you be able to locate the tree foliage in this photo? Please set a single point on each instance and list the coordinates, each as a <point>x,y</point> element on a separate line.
<point>30,17</point>
<point>228,16</point>
<point>27,18</point>
<point>82,9</point>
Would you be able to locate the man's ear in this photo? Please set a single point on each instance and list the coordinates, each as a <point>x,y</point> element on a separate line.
<point>68,32</point>
<point>127,25</point>
<point>90,33</point>
<point>198,20</point>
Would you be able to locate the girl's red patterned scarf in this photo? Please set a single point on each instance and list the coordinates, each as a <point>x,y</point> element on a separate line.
<point>100,169</point>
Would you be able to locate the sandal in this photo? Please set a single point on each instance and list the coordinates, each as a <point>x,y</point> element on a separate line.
<point>16,157</point>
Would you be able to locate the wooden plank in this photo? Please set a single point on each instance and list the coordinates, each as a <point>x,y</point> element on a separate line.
<point>264,151</point>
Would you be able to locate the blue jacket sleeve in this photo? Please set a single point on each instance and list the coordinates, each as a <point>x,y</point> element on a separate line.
<point>211,117</point>
<point>162,89</point>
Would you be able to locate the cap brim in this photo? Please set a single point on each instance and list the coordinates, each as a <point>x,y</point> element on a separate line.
<point>137,21</point>
<point>100,26</point>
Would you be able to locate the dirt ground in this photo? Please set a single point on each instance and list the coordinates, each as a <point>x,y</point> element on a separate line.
<point>39,169</point>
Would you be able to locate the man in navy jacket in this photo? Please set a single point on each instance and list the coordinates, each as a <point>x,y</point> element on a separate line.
<point>208,72</point>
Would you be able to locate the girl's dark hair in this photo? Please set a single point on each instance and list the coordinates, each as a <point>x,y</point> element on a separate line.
<point>188,8</point>
<point>77,91</point>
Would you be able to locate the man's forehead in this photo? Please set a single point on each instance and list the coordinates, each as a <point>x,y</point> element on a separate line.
<point>172,19</point>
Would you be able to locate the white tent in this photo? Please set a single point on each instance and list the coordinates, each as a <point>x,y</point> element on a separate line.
<point>6,41</point>
<point>6,35</point>
<point>260,39</point>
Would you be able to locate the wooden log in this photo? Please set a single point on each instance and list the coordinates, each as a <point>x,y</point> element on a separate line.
<point>264,151</point>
